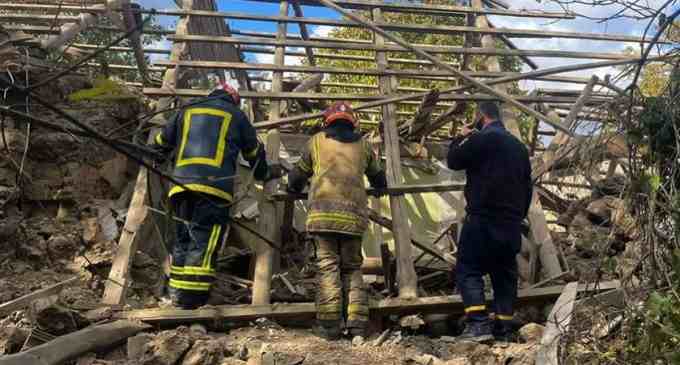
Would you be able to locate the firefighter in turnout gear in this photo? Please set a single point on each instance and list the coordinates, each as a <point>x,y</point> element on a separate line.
<point>206,137</point>
<point>336,159</point>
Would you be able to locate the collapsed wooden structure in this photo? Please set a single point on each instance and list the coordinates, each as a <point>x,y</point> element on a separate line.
<point>203,42</point>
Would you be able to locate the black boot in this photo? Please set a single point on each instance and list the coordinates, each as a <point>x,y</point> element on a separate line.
<point>357,328</point>
<point>502,331</point>
<point>328,330</point>
<point>477,331</point>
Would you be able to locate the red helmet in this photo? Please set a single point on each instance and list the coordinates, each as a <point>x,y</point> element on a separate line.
<point>223,86</point>
<point>340,110</point>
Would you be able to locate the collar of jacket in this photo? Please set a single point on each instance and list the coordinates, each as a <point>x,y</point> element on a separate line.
<point>342,132</point>
<point>496,124</point>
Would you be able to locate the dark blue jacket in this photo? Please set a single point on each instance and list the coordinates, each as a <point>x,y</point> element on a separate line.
<point>207,137</point>
<point>498,172</point>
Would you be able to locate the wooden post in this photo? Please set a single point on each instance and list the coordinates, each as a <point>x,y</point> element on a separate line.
<point>406,273</point>
<point>270,227</point>
<point>270,222</point>
<point>137,222</point>
<point>557,324</point>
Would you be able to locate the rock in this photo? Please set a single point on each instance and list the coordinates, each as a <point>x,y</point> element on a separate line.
<point>242,352</point>
<point>114,172</point>
<point>54,318</point>
<point>463,347</point>
<point>91,230</point>
<point>205,352</point>
<point>61,247</point>
<point>166,348</point>
<point>413,321</point>
<point>12,339</point>
<point>233,361</point>
<point>358,341</point>
<point>531,332</point>
<point>136,344</point>
<point>198,330</point>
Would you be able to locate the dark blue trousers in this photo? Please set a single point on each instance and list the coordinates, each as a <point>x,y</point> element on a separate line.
<point>488,247</point>
<point>199,238</point>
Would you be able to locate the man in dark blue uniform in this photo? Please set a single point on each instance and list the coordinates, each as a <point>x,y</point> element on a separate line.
<point>498,192</point>
<point>207,137</point>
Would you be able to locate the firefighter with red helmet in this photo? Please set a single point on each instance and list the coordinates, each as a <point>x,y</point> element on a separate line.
<point>336,159</point>
<point>207,137</point>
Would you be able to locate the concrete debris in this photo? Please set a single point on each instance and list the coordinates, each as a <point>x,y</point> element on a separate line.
<point>358,341</point>
<point>12,338</point>
<point>56,319</point>
<point>205,352</point>
<point>166,348</point>
<point>136,345</point>
<point>412,322</point>
<point>531,332</point>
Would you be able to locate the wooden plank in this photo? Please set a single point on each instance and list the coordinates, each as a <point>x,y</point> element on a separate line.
<point>70,346</point>
<point>557,324</point>
<point>269,225</point>
<point>418,28</point>
<point>23,301</point>
<point>350,4</point>
<point>321,96</point>
<point>390,47</point>
<point>406,273</point>
<point>299,311</point>
<point>393,190</point>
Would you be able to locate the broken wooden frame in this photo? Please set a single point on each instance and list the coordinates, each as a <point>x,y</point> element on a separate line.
<point>390,95</point>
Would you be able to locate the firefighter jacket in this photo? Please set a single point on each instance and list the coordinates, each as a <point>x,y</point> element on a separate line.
<point>337,193</point>
<point>207,137</point>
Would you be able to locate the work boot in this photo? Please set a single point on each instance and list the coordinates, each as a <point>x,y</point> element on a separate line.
<point>477,331</point>
<point>328,330</point>
<point>502,331</point>
<point>357,328</point>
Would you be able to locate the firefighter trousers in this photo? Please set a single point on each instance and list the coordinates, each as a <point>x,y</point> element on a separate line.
<point>341,292</point>
<point>488,247</point>
<point>199,238</point>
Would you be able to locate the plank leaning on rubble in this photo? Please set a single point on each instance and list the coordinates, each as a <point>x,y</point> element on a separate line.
<point>557,324</point>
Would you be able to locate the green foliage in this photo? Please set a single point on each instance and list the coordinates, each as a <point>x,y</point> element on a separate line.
<point>105,90</point>
<point>104,37</point>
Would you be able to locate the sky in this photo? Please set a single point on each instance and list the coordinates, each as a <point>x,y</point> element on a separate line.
<point>619,26</point>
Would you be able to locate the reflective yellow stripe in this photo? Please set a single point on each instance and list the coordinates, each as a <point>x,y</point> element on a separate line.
<point>221,141</point>
<point>475,308</point>
<point>252,154</point>
<point>195,270</point>
<point>503,317</point>
<point>357,309</point>
<point>339,217</point>
<point>177,270</point>
<point>203,189</point>
<point>329,308</point>
<point>159,139</point>
<point>316,164</point>
<point>189,285</point>
<point>212,243</point>
<point>303,166</point>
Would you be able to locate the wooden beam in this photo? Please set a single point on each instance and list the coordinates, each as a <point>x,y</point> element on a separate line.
<point>70,346</point>
<point>557,324</point>
<point>269,225</point>
<point>397,98</point>
<point>406,273</point>
<point>270,217</point>
<point>130,22</point>
<point>387,47</point>
<point>433,9</point>
<point>323,96</point>
<point>24,301</point>
<point>299,311</point>
<point>350,4</point>
<point>304,33</point>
